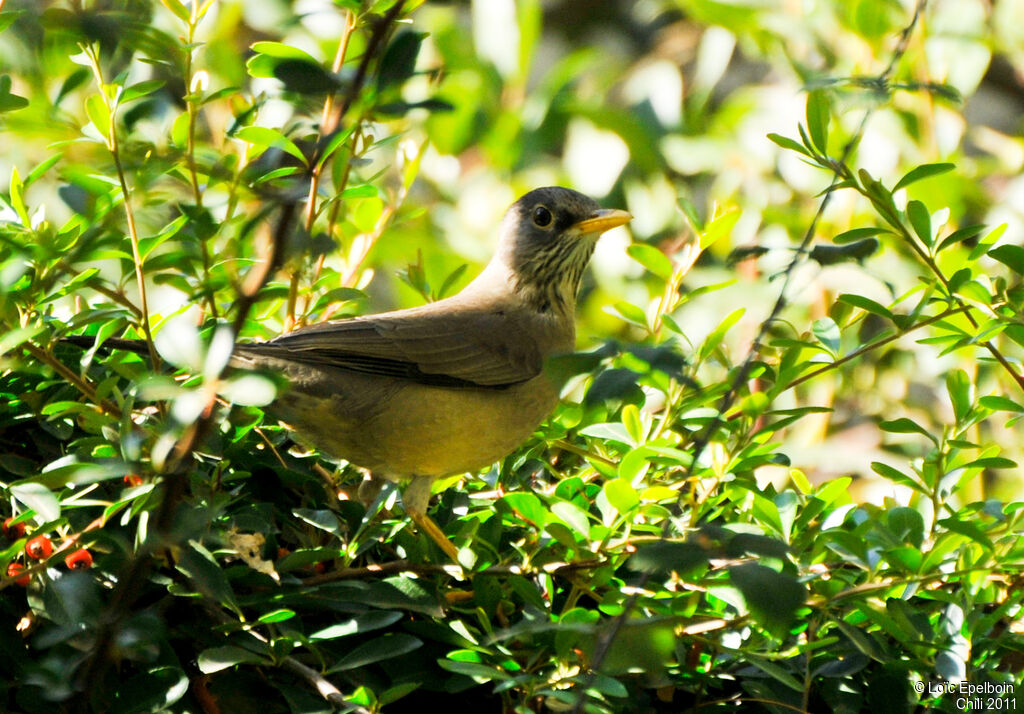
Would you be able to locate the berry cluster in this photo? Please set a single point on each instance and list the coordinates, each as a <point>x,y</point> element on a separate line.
<point>39,547</point>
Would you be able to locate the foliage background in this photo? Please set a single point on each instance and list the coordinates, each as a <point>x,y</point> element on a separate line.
<point>849,529</point>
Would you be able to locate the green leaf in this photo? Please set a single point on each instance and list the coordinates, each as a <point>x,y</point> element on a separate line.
<point>215,659</point>
<point>718,227</point>
<point>17,190</point>
<point>974,290</point>
<point>178,9</point>
<point>825,254</point>
<point>856,234</point>
<point>867,304</point>
<point>652,259</point>
<point>633,423</point>
<point>922,172</point>
<point>718,334</point>
<point>320,518</point>
<point>986,243</point>
<point>270,54</point>
<point>968,529</point>
<point>8,18</point>
<point>786,143</point>
<point>366,622</point>
<point>833,490</point>
<point>248,390</point>
<point>451,280</point>
<point>383,648</point>
<point>280,615</point>
<point>527,505</point>
<point>17,337</point>
<point>907,525</point>
<point>152,691</point>
<point>202,569</point>
<point>399,60</point>
<point>366,190</point>
<point>992,462</point>
<point>773,598</point>
<point>1012,256</point>
<point>9,102</point>
<point>818,114</point>
<point>921,220</point>
<point>827,332</point>
<point>270,138</point>
<point>896,476</point>
<point>39,498</point>
<point>621,495</point>
<point>99,114</point>
<point>631,313</point>
<point>573,516</point>
<point>41,169</point>
<point>477,671</point>
<point>669,557</point>
<point>958,384</point>
<point>401,108</point>
<point>72,82</point>
<point>137,91</point>
<point>862,640</point>
<point>777,672</point>
<point>613,431</point>
<point>998,403</point>
<point>959,236</point>
<point>304,77</point>
<point>904,425</point>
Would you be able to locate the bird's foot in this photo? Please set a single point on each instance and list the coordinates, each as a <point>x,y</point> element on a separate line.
<point>427,525</point>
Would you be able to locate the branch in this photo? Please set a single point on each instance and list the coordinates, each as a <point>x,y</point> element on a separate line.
<point>562,569</point>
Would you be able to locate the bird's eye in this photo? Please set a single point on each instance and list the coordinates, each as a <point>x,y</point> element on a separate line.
<point>542,216</point>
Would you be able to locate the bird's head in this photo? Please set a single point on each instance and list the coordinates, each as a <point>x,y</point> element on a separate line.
<point>547,237</point>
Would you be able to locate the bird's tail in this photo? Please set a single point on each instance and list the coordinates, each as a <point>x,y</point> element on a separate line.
<point>114,343</point>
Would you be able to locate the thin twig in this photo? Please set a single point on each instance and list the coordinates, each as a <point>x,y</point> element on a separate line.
<point>82,384</point>
<point>584,453</point>
<point>190,148</point>
<point>562,569</point>
<point>379,32</point>
<point>322,685</point>
<point>875,345</point>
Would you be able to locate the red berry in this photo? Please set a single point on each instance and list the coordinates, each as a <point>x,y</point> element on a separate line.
<point>133,480</point>
<point>15,568</point>
<point>14,531</point>
<point>282,552</point>
<point>79,560</point>
<point>39,547</point>
<point>319,568</point>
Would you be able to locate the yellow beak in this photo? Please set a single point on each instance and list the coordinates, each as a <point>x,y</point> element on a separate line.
<point>603,220</point>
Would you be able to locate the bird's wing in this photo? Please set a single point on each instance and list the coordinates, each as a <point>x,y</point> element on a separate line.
<point>454,349</point>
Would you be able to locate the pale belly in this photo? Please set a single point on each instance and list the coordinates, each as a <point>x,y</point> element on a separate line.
<point>404,429</point>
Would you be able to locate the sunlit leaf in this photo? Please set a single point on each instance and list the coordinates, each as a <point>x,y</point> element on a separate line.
<point>922,172</point>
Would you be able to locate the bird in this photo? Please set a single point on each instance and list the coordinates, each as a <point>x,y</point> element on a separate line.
<point>454,385</point>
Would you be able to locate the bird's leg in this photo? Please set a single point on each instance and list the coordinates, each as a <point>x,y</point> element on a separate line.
<point>415,499</point>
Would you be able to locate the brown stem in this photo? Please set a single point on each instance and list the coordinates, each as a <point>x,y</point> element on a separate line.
<point>133,237</point>
<point>114,295</point>
<point>80,383</point>
<point>190,147</point>
<point>376,38</point>
<point>562,569</point>
<point>874,345</point>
